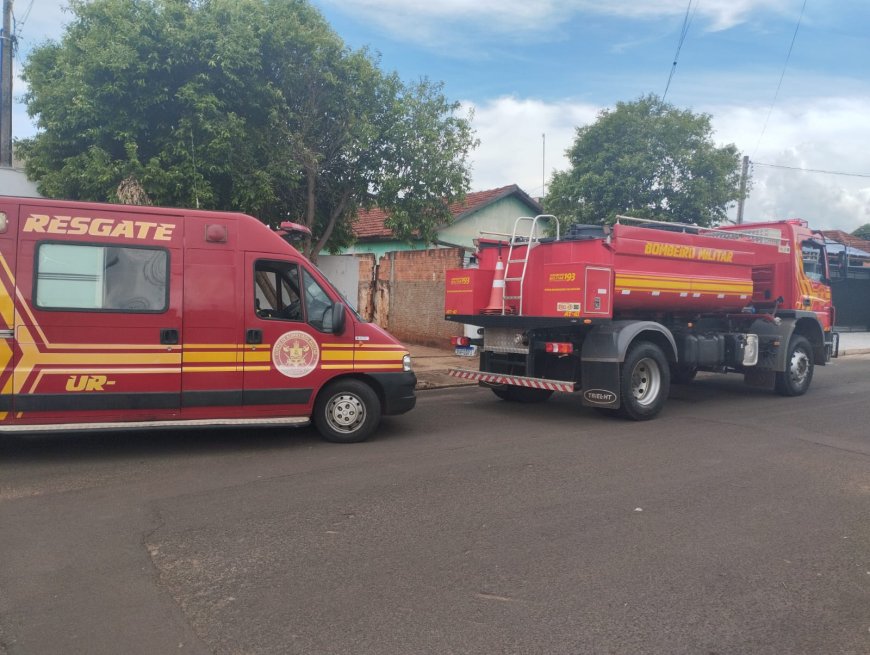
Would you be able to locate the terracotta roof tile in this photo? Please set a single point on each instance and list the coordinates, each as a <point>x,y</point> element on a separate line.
<point>847,239</point>
<point>370,224</point>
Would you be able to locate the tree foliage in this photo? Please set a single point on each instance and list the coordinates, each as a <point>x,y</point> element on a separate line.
<point>249,105</point>
<point>649,159</point>
<point>862,232</point>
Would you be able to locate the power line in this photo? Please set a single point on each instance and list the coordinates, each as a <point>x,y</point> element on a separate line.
<point>811,170</point>
<point>687,20</point>
<point>779,85</point>
<point>20,23</point>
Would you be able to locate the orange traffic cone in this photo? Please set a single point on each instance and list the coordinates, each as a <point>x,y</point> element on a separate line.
<point>496,298</point>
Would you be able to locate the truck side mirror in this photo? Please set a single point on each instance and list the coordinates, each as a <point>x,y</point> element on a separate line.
<point>339,317</point>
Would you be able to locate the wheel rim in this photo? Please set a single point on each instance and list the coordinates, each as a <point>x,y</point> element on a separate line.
<point>646,380</point>
<point>799,367</point>
<point>345,413</point>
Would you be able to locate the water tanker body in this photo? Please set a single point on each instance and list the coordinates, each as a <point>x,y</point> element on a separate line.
<point>571,312</point>
<point>629,271</point>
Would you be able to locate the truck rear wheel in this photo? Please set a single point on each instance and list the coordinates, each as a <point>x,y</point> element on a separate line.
<point>521,394</point>
<point>347,411</point>
<point>799,365</point>
<point>645,381</point>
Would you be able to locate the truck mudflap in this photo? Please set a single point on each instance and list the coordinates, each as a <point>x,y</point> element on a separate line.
<point>832,345</point>
<point>513,380</point>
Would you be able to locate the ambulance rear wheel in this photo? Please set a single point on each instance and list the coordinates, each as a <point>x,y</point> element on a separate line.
<point>645,381</point>
<point>521,394</point>
<point>799,364</point>
<point>347,411</point>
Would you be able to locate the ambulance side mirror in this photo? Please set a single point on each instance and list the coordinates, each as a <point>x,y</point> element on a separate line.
<point>339,316</point>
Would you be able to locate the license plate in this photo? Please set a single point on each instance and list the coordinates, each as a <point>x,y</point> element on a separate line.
<point>466,351</point>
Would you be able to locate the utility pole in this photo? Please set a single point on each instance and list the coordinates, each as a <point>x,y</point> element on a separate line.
<point>744,173</point>
<point>6,87</point>
<point>543,167</point>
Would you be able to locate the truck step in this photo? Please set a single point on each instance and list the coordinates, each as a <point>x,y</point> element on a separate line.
<point>513,380</point>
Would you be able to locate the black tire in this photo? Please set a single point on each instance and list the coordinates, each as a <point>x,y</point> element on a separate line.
<point>683,374</point>
<point>347,411</point>
<point>645,380</point>
<point>521,394</point>
<point>799,366</point>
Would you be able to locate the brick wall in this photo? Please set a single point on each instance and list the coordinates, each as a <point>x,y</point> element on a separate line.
<point>407,297</point>
<point>365,298</point>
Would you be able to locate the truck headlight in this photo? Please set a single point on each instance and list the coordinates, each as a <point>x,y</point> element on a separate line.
<point>750,350</point>
<point>406,363</point>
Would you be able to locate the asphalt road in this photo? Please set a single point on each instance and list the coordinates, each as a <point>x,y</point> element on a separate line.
<point>736,523</point>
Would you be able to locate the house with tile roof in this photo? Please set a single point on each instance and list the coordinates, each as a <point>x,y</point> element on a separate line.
<point>14,182</point>
<point>494,210</point>
<point>849,258</point>
<point>843,244</point>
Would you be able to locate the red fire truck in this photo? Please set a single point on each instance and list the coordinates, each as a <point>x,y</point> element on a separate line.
<point>618,313</point>
<point>129,317</point>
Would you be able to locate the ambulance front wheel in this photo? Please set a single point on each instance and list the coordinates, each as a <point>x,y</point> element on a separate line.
<point>347,411</point>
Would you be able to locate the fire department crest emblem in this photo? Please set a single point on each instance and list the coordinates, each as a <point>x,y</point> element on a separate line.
<point>295,354</point>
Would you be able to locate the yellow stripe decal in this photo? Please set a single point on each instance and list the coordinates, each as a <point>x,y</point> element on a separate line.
<point>209,357</point>
<point>385,355</point>
<point>336,355</point>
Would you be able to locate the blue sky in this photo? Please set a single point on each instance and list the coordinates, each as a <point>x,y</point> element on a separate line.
<point>535,67</point>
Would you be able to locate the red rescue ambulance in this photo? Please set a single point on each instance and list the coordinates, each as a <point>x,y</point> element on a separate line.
<point>128,317</point>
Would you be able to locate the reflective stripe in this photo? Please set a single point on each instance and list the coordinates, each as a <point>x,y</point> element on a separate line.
<point>513,380</point>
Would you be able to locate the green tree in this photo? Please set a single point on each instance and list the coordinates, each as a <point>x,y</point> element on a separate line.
<point>249,105</point>
<point>647,158</point>
<point>862,232</point>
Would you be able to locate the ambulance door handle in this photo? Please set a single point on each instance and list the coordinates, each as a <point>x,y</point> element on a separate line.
<point>254,336</point>
<point>169,336</point>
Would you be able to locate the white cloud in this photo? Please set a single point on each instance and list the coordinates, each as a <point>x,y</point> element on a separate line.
<point>823,134</point>
<point>511,146</point>
<point>433,23</point>
<point>828,134</point>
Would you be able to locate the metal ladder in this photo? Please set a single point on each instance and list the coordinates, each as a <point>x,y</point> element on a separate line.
<point>532,240</point>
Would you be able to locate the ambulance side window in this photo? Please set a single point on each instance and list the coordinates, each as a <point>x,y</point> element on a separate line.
<point>318,305</point>
<point>276,291</point>
<point>101,278</point>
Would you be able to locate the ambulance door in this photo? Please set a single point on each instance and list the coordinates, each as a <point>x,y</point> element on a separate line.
<point>8,215</point>
<point>99,321</point>
<point>290,349</point>
<point>212,373</point>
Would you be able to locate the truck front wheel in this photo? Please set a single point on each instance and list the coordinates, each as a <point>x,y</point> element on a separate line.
<point>644,381</point>
<point>798,374</point>
<point>347,411</point>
